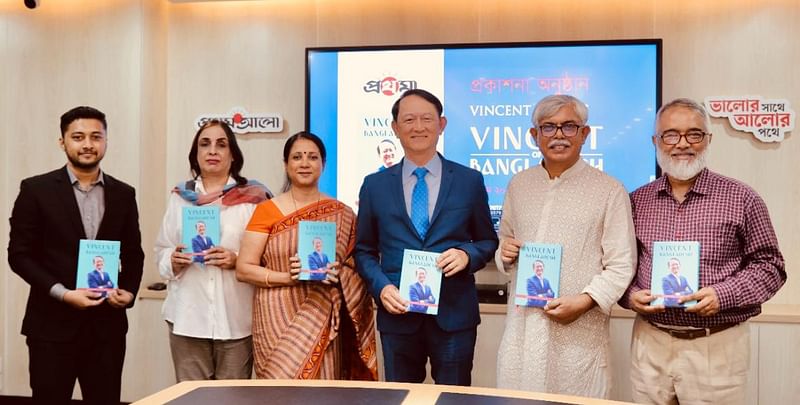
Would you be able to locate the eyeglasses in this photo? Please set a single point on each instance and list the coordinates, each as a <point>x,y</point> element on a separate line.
<point>692,136</point>
<point>569,129</point>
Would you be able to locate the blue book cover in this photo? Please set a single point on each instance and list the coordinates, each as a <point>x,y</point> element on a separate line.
<point>421,281</point>
<point>316,246</point>
<point>676,272</point>
<point>98,265</point>
<point>200,230</point>
<point>538,274</point>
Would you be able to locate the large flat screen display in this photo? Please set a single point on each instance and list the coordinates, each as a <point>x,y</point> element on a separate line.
<point>488,92</point>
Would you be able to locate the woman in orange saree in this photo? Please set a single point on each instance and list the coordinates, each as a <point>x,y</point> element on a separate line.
<point>306,329</point>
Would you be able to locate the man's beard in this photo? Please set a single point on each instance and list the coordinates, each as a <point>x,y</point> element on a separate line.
<point>76,162</point>
<point>681,169</point>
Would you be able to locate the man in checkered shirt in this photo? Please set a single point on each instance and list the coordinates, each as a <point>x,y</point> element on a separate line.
<point>698,354</point>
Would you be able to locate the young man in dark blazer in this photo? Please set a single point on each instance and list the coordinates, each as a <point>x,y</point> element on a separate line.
<point>75,334</point>
<point>425,203</point>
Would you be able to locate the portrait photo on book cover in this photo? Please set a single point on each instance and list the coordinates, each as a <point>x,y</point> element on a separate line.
<point>675,285</point>
<point>536,288</point>
<point>201,241</point>
<point>98,273</point>
<point>200,230</point>
<point>676,267</point>
<point>317,260</point>
<point>420,293</point>
<point>421,281</point>
<point>538,274</point>
<point>316,247</point>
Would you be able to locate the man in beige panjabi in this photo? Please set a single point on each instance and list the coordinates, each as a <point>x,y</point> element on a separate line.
<point>564,348</point>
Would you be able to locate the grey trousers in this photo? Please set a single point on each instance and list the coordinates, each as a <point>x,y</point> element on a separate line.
<point>210,359</point>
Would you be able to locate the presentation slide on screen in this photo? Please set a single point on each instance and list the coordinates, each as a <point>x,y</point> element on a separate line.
<point>488,96</point>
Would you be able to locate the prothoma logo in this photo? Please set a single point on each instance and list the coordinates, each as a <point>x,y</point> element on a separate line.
<point>389,86</point>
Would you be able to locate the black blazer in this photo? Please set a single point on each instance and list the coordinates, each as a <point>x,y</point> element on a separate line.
<point>43,249</point>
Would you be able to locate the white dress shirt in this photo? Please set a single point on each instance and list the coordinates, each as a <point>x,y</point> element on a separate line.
<point>205,301</point>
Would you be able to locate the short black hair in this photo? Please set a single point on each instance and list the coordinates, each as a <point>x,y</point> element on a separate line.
<point>81,112</point>
<point>236,152</point>
<point>428,96</point>
<point>385,140</point>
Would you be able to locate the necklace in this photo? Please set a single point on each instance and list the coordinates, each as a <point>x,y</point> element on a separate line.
<point>294,201</point>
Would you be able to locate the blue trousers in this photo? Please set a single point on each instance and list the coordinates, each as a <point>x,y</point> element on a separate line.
<point>450,353</point>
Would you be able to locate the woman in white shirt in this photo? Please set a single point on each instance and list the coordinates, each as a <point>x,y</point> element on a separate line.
<point>209,312</point>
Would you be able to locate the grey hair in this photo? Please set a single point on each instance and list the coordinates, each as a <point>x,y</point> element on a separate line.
<point>685,103</point>
<point>549,106</point>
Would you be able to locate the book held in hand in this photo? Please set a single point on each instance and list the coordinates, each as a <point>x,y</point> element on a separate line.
<point>98,265</point>
<point>200,230</point>
<point>676,272</point>
<point>421,281</point>
<point>316,246</point>
<point>538,274</point>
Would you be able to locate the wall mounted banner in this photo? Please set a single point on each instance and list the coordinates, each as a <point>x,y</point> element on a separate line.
<point>767,119</point>
<point>368,85</point>
<point>243,122</point>
<point>488,96</point>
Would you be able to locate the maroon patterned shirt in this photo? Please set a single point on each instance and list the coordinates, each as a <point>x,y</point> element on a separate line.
<point>739,255</point>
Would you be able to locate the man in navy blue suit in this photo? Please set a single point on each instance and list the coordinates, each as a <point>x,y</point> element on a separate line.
<point>674,284</point>
<point>428,203</point>
<point>420,293</point>
<point>538,286</point>
<point>201,242</point>
<point>98,278</point>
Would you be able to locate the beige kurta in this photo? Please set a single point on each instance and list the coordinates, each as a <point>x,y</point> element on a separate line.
<point>589,214</point>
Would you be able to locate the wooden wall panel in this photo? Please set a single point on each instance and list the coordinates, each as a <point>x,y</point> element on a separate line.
<point>778,364</point>
<point>248,54</point>
<point>147,364</point>
<point>621,358</point>
<point>69,53</point>
<point>376,22</point>
<point>6,190</point>
<point>742,48</point>
<point>520,20</point>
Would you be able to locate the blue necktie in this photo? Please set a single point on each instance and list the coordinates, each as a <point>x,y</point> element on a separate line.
<point>419,203</point>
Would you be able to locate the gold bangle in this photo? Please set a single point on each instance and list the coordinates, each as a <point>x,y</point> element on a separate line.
<point>266,279</point>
